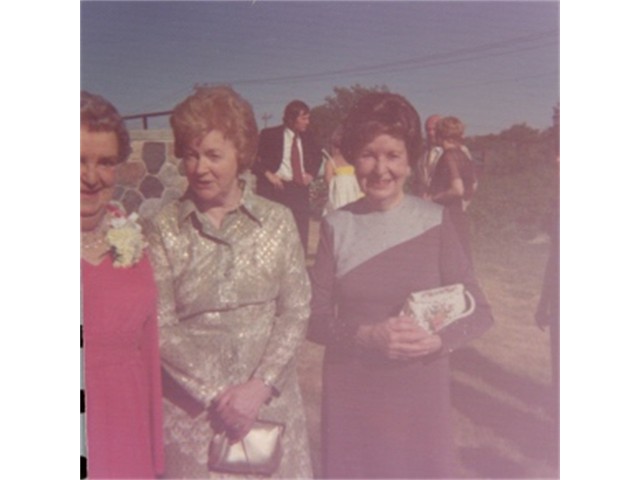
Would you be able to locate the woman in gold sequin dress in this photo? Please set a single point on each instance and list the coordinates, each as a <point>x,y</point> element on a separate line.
<point>234,293</point>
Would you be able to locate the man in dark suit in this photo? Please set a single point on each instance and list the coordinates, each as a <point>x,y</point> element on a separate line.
<point>288,160</point>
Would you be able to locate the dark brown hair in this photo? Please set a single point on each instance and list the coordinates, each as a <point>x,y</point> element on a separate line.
<point>377,114</point>
<point>293,110</point>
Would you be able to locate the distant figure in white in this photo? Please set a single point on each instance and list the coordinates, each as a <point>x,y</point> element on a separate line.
<point>340,177</point>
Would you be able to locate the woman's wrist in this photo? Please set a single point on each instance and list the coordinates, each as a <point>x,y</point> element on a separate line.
<point>363,336</point>
<point>268,389</point>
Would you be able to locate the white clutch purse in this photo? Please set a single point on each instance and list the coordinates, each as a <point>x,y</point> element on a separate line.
<point>452,301</point>
<point>258,453</point>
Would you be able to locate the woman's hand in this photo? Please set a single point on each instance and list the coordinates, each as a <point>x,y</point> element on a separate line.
<point>238,406</point>
<point>399,338</point>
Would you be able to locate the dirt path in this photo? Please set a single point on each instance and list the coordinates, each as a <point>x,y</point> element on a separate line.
<point>501,392</point>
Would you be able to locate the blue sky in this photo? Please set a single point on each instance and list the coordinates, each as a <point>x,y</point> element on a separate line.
<point>492,64</point>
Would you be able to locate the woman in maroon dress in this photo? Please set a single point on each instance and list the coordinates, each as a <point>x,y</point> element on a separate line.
<point>120,334</point>
<point>454,181</point>
<point>385,380</point>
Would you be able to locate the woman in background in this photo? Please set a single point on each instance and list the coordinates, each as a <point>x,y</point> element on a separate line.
<point>234,294</point>
<point>340,177</point>
<point>453,181</point>
<point>386,403</point>
<point>120,336</point>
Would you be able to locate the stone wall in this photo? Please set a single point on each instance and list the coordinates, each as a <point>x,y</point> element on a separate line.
<point>152,176</point>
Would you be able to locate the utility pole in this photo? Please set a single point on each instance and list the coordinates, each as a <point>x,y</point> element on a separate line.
<point>265,117</point>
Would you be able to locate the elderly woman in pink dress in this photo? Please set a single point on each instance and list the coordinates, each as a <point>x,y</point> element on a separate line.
<point>120,335</point>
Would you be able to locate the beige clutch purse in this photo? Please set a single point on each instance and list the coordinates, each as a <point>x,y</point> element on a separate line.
<point>453,301</point>
<point>258,453</point>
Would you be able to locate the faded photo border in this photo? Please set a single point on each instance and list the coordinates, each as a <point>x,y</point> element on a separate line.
<point>41,273</point>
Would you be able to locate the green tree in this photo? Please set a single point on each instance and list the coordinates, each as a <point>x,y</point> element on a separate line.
<point>518,181</point>
<point>327,117</point>
<point>515,149</point>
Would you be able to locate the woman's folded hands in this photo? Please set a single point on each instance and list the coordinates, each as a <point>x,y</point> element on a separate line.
<point>398,338</point>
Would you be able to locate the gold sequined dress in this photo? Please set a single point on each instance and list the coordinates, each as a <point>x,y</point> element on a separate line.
<point>234,304</point>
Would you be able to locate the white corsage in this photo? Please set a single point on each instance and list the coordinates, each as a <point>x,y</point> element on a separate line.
<point>125,239</point>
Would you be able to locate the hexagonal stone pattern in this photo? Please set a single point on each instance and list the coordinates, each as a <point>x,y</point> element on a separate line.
<point>170,153</point>
<point>151,187</point>
<point>150,207</point>
<point>153,156</point>
<point>130,173</point>
<point>132,201</point>
<point>136,152</point>
<point>170,177</point>
<point>171,194</point>
<point>152,176</point>
<point>118,192</point>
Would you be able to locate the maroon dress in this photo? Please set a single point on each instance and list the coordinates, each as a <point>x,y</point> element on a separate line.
<point>122,371</point>
<point>384,418</point>
<point>453,164</point>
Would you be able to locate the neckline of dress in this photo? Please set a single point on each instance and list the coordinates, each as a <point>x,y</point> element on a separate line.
<point>99,264</point>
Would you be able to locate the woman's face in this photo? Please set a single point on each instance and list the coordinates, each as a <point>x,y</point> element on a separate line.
<point>382,168</point>
<point>98,161</point>
<point>211,165</point>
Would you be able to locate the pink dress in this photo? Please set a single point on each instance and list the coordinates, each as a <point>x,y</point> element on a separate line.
<point>122,371</point>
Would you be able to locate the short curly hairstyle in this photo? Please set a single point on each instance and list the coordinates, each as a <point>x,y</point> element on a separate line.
<point>216,108</point>
<point>377,114</point>
<point>99,115</point>
<point>450,128</point>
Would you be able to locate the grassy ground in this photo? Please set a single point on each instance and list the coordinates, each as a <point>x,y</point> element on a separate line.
<point>501,393</point>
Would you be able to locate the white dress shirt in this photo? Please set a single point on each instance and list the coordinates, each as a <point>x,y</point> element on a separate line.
<point>285,172</point>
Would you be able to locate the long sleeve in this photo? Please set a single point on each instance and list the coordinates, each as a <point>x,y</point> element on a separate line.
<point>162,270</point>
<point>324,325</point>
<point>292,310</point>
<point>455,267</point>
<point>322,281</point>
<point>177,345</point>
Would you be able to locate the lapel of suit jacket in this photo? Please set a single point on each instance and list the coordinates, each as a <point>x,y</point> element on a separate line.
<point>279,144</point>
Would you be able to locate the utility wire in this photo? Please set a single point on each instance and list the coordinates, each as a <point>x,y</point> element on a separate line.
<point>420,62</point>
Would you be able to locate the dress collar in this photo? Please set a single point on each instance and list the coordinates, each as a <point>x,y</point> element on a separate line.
<point>250,204</point>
